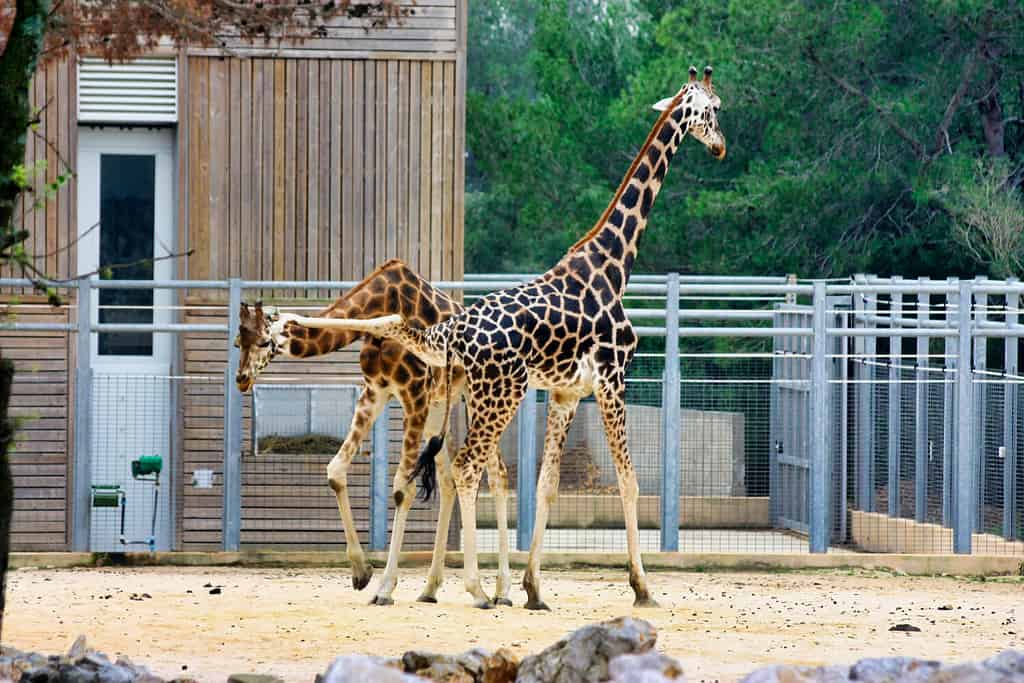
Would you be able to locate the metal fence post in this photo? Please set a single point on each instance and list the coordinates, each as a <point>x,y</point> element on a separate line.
<point>921,449</point>
<point>965,451</point>
<point>379,482</point>
<point>895,420</point>
<point>865,422</point>
<point>670,421</point>
<point>232,515</point>
<point>979,364</point>
<point>821,440</point>
<point>526,470</point>
<point>81,503</point>
<point>949,421</point>
<point>1010,419</point>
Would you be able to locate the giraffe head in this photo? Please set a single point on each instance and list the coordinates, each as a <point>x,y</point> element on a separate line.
<point>259,340</point>
<point>695,107</point>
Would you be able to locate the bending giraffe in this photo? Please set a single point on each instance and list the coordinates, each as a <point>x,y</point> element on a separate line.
<point>388,372</point>
<point>566,332</point>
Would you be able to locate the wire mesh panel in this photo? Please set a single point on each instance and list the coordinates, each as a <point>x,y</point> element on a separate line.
<point>132,463</point>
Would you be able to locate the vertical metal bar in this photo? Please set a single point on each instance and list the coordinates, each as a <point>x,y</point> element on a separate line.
<point>843,347</point>
<point>1010,420</point>
<point>379,481</point>
<point>81,502</point>
<point>949,421</point>
<point>670,421</point>
<point>965,452</point>
<point>895,421</point>
<point>820,425</point>
<point>865,349</point>
<point>980,409</point>
<point>775,424</point>
<point>921,412</point>
<point>232,514</point>
<point>526,474</point>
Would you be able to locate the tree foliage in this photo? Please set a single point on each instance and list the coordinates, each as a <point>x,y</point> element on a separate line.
<point>862,136</point>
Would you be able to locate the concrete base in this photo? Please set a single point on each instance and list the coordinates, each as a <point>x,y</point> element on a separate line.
<point>958,565</point>
<point>874,532</point>
<point>604,511</point>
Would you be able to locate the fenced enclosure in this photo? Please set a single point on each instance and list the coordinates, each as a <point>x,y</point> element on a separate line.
<point>765,414</point>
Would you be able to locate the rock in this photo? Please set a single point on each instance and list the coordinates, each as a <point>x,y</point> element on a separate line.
<point>114,674</point>
<point>254,678</point>
<point>583,655</point>
<point>361,668</point>
<point>78,649</point>
<point>971,673</point>
<point>650,667</point>
<point>799,674</point>
<point>69,673</point>
<point>905,628</point>
<point>501,667</point>
<point>95,660</point>
<point>1010,663</point>
<point>465,668</point>
<point>886,669</point>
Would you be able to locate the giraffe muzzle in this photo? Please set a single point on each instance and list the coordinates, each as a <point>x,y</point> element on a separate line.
<point>718,151</point>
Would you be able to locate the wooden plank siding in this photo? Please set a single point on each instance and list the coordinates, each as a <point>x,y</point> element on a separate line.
<point>338,182</point>
<point>286,502</point>
<point>40,456</point>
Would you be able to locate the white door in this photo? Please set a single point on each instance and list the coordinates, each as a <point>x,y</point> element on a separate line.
<point>126,199</point>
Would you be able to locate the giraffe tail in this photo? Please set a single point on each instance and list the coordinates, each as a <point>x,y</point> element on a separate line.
<point>426,465</point>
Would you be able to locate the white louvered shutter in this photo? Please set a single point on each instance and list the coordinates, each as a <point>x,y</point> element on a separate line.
<point>140,91</point>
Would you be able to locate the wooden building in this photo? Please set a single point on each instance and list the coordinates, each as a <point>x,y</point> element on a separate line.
<point>313,161</point>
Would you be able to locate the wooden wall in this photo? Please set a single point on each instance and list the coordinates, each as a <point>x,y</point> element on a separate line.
<point>286,503</point>
<point>313,169</point>
<point>40,457</point>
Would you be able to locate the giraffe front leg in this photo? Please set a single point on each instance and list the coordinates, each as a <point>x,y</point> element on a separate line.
<point>560,413</point>
<point>497,482</point>
<point>368,407</point>
<point>611,399</point>
<point>403,491</point>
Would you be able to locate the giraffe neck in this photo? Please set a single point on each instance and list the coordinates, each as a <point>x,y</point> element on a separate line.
<point>611,245</point>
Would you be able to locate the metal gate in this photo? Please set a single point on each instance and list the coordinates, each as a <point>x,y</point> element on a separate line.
<point>790,433</point>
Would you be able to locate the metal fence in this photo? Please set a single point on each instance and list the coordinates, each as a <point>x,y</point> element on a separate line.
<point>766,414</point>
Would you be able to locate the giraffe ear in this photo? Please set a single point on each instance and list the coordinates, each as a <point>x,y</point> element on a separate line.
<point>663,104</point>
<point>243,311</point>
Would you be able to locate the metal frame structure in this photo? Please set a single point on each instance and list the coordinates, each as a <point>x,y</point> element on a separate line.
<point>968,322</point>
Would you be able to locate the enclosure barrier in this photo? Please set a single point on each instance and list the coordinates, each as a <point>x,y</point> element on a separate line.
<point>836,440</point>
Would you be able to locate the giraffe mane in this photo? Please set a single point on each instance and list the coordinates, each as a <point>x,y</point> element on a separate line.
<point>629,175</point>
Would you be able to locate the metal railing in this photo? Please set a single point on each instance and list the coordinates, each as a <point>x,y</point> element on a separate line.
<point>872,309</point>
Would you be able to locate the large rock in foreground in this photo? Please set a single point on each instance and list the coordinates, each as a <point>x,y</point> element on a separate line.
<point>1006,667</point>
<point>584,655</point>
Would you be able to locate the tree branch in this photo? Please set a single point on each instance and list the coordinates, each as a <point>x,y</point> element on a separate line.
<point>851,89</point>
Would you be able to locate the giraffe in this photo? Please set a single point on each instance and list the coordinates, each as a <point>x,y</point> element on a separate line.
<point>566,332</point>
<point>388,372</point>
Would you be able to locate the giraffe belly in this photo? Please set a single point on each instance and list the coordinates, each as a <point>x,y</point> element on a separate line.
<point>579,380</point>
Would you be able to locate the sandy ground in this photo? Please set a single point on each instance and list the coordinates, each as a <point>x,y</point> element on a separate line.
<point>293,622</point>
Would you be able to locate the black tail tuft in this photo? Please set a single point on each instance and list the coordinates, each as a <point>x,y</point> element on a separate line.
<point>426,468</point>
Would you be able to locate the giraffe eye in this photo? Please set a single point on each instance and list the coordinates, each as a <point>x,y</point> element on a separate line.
<point>264,344</point>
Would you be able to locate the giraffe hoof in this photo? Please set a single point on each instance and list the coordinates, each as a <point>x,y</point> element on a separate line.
<point>361,576</point>
<point>646,602</point>
<point>381,600</point>
<point>501,601</point>
<point>427,598</point>
<point>537,605</point>
<point>483,604</point>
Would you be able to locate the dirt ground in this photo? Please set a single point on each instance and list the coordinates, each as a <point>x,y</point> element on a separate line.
<point>293,622</point>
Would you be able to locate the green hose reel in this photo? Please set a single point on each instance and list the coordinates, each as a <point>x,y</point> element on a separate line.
<point>146,468</point>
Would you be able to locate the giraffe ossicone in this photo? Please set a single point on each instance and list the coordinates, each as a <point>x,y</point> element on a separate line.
<point>566,332</point>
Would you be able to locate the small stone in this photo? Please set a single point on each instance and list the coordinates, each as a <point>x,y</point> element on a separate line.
<point>215,591</point>
<point>905,628</point>
<point>649,667</point>
<point>78,649</point>
<point>799,674</point>
<point>945,608</point>
<point>253,678</point>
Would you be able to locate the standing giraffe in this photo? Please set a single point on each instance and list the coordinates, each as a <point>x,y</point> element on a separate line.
<point>388,371</point>
<point>565,332</point>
